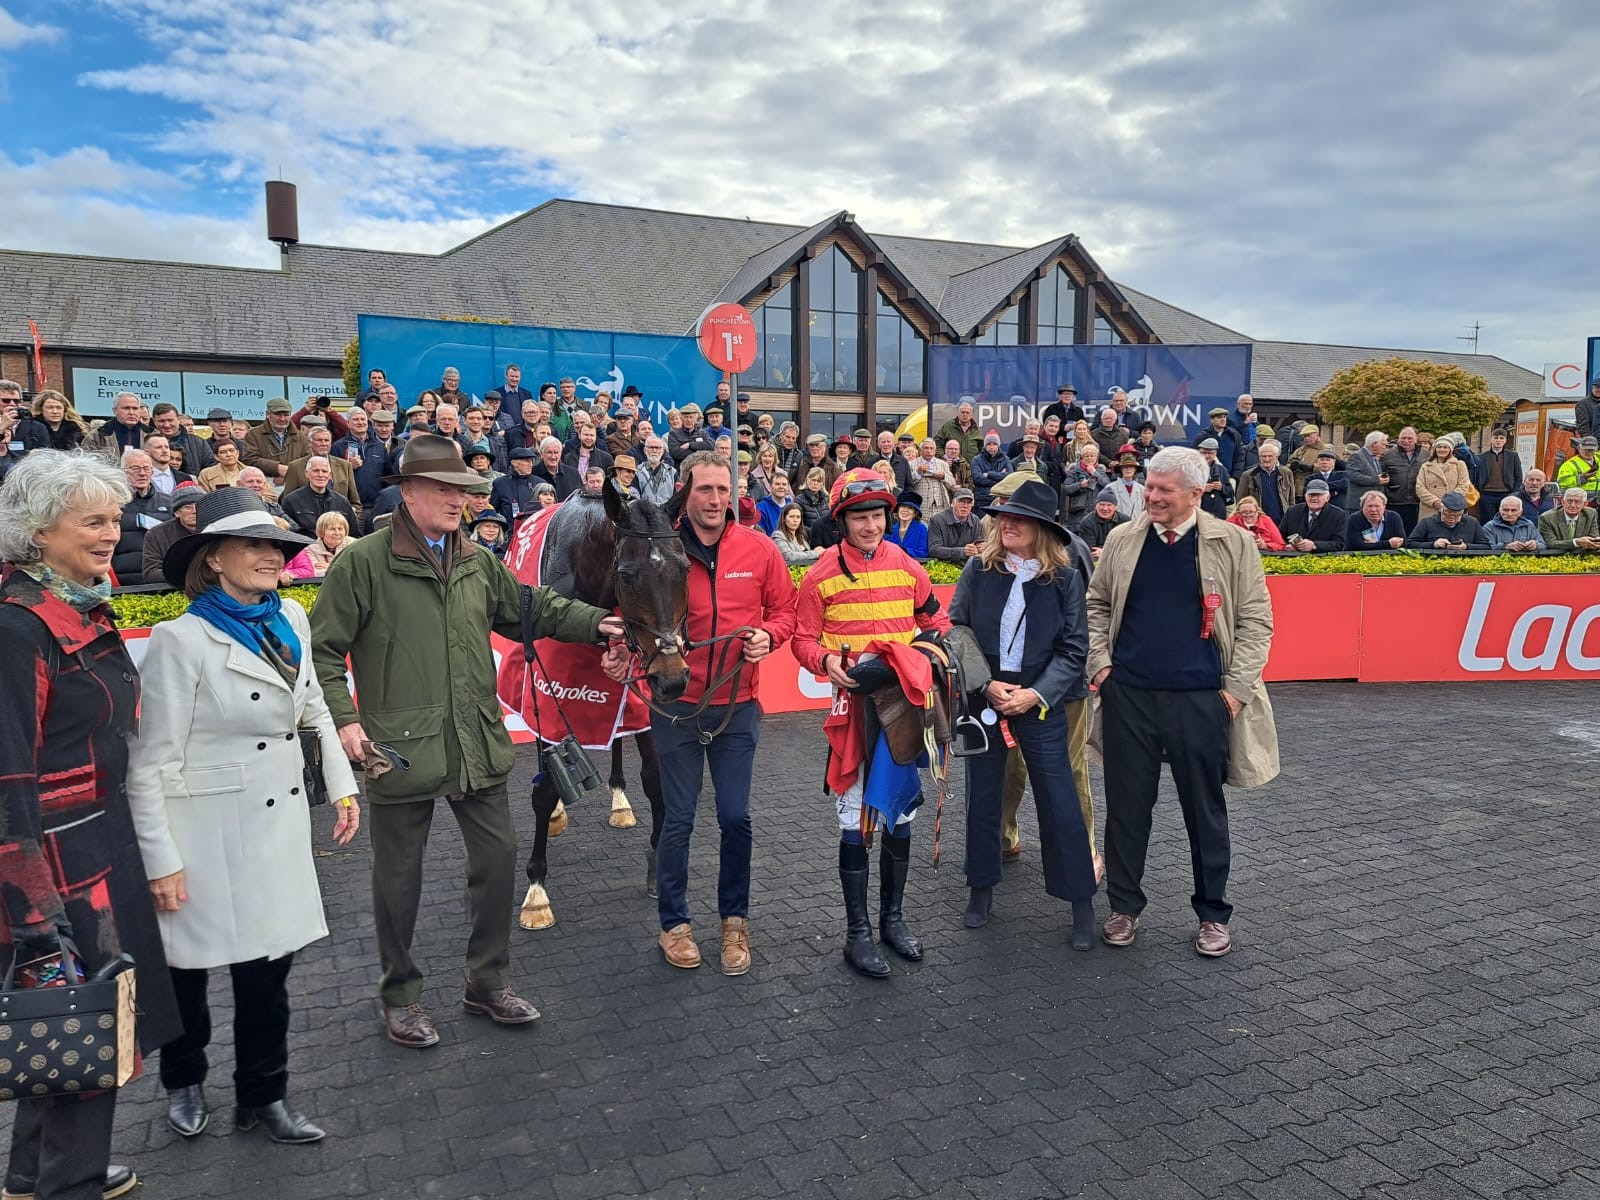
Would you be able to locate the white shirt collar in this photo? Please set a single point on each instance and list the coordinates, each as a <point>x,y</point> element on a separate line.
<point>1179,529</point>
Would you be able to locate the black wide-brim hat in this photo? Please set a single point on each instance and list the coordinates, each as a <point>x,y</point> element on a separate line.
<point>431,456</point>
<point>227,512</point>
<point>1034,500</point>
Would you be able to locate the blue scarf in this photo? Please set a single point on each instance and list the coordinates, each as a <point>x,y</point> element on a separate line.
<point>260,628</point>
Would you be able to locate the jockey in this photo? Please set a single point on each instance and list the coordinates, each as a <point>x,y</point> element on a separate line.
<point>866,594</point>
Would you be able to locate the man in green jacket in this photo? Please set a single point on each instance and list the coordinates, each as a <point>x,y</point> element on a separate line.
<point>412,606</point>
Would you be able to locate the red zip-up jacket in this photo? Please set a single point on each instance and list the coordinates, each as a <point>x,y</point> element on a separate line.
<point>750,585</point>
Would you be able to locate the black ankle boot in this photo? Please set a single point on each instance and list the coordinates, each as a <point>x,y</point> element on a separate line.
<point>894,863</point>
<point>1082,925</point>
<point>860,951</point>
<point>979,902</point>
<point>650,873</point>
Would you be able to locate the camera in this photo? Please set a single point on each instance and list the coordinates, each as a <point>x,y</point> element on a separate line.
<point>569,768</point>
<point>322,401</point>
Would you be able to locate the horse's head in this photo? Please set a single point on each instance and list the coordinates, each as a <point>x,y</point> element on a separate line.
<point>652,584</point>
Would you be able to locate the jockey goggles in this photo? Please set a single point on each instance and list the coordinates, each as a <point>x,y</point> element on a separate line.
<point>862,486</point>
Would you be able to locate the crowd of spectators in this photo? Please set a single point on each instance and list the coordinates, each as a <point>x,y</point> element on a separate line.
<point>1291,489</point>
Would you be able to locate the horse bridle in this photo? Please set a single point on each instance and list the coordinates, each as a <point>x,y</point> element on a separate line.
<point>678,641</point>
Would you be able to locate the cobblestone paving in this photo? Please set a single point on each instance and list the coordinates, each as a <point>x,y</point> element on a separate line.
<point>1409,1010</point>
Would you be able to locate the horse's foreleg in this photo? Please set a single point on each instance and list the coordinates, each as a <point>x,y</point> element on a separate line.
<point>536,911</point>
<point>650,773</point>
<point>621,811</point>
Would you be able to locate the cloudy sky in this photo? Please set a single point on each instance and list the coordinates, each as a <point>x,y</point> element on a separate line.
<point>1378,174</point>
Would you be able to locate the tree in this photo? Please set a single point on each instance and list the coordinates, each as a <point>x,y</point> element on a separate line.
<point>1396,392</point>
<point>352,367</point>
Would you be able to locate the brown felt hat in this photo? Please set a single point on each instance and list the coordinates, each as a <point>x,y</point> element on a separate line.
<point>430,456</point>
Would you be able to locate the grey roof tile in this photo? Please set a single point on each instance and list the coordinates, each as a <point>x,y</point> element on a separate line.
<point>567,264</point>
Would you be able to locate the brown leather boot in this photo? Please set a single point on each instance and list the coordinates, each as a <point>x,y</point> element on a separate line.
<point>677,945</point>
<point>735,945</point>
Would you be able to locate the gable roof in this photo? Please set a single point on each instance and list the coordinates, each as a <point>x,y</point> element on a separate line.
<point>974,294</point>
<point>574,264</point>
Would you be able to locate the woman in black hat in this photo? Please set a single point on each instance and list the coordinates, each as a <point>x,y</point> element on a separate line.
<point>1023,601</point>
<point>216,781</point>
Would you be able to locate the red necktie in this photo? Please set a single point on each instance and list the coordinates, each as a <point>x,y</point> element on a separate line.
<point>1172,537</point>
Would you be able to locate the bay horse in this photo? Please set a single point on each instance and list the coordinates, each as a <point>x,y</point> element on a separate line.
<point>621,553</point>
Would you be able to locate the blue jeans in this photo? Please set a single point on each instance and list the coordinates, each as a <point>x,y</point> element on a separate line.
<point>732,757</point>
<point>1064,849</point>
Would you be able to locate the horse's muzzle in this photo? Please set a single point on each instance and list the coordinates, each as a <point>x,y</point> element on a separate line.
<point>668,683</point>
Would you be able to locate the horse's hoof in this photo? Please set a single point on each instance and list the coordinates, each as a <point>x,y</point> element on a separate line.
<point>536,911</point>
<point>558,820</point>
<point>621,811</point>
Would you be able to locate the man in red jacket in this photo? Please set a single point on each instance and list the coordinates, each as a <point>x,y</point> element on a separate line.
<point>866,594</point>
<point>741,608</point>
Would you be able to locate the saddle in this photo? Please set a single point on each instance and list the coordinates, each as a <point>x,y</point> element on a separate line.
<point>910,731</point>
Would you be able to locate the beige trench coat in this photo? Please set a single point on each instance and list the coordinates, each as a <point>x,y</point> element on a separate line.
<point>1243,630</point>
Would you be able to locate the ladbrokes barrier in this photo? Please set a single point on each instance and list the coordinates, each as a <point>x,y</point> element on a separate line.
<point>1376,629</point>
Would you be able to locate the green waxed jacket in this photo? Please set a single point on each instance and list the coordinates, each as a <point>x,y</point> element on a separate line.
<point>419,652</point>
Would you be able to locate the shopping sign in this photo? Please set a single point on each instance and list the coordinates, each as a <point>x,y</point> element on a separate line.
<point>728,338</point>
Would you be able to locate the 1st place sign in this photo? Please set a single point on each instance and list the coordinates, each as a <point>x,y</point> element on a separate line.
<point>728,338</point>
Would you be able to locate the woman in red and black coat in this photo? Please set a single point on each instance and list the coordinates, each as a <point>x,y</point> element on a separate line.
<point>69,858</point>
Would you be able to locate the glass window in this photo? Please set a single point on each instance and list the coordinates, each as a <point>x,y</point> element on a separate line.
<point>1004,331</point>
<point>774,365</point>
<point>900,349</point>
<point>834,322</point>
<point>1058,309</point>
<point>1105,334</point>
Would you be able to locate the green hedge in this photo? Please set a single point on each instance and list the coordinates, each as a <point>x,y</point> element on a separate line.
<point>139,611</point>
<point>1408,563</point>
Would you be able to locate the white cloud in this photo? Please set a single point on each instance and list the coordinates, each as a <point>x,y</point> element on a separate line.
<point>15,33</point>
<point>1283,167</point>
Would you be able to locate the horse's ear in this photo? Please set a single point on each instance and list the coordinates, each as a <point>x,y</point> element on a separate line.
<point>616,504</point>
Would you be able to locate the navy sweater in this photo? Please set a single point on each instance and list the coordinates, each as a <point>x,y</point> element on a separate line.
<point>1159,646</point>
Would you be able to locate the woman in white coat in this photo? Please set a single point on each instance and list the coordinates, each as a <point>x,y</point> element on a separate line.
<point>216,781</point>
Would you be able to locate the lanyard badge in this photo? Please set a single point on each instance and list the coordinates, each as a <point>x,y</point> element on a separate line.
<point>1211,602</point>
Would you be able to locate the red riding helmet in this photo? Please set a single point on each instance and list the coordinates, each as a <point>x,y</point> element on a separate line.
<point>859,488</point>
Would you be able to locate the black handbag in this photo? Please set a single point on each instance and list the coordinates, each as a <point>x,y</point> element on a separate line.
<point>68,1038</point>
<point>311,752</point>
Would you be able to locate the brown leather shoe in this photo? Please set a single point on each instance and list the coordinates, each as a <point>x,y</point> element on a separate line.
<point>677,944</point>
<point>735,945</point>
<point>1119,929</point>
<point>1214,940</point>
<point>410,1027</point>
<point>501,1005</point>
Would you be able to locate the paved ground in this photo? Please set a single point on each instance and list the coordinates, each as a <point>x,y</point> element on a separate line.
<point>1410,1009</point>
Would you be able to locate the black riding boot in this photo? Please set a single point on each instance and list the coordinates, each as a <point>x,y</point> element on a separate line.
<point>894,863</point>
<point>860,951</point>
<point>650,873</point>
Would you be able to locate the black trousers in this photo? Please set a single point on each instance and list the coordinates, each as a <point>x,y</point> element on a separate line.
<point>1408,514</point>
<point>260,1031</point>
<point>61,1147</point>
<point>399,834</point>
<point>1191,730</point>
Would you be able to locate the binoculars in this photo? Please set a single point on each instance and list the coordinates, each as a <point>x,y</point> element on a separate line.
<point>569,768</point>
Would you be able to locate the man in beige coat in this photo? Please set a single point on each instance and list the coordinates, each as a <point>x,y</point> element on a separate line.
<point>1180,624</point>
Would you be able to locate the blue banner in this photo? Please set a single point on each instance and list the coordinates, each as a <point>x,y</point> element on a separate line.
<point>414,354</point>
<point>1173,386</point>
